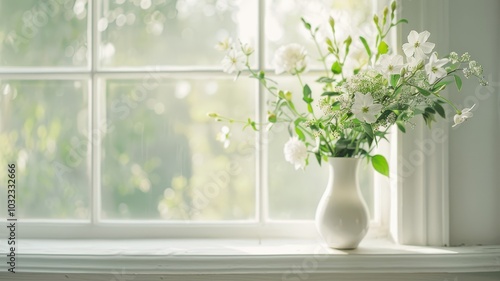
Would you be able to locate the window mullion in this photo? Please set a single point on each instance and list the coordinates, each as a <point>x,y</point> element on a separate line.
<point>95,134</point>
<point>262,156</point>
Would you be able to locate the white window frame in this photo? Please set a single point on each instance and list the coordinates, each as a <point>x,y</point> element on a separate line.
<point>94,228</point>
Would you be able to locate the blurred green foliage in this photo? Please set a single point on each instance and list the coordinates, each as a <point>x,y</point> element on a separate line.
<point>160,157</point>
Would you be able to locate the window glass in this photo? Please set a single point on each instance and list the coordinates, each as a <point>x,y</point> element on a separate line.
<point>163,158</point>
<point>284,25</point>
<point>44,132</point>
<point>43,33</point>
<point>172,33</point>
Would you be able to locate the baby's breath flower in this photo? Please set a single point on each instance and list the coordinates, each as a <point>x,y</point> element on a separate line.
<point>465,57</point>
<point>454,57</point>
<point>325,106</point>
<point>316,134</point>
<point>483,82</point>
<point>391,118</point>
<point>467,72</point>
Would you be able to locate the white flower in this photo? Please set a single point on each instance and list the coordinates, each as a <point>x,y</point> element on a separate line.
<point>295,152</point>
<point>224,45</point>
<point>364,108</point>
<point>224,136</point>
<point>233,61</point>
<point>463,116</point>
<point>291,58</point>
<point>390,64</point>
<point>412,63</point>
<point>247,49</point>
<point>434,68</point>
<point>417,45</point>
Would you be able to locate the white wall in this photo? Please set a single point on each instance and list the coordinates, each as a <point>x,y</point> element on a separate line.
<point>475,147</point>
<point>471,151</point>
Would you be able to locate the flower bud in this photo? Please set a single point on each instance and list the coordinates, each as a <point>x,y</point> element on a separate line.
<point>212,114</point>
<point>393,5</point>
<point>403,71</point>
<point>348,41</point>
<point>271,117</point>
<point>288,96</point>
<point>332,23</point>
<point>375,19</point>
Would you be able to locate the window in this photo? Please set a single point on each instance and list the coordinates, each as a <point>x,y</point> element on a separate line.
<point>103,110</point>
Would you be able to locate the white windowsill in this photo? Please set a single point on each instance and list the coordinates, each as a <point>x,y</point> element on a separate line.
<point>186,256</point>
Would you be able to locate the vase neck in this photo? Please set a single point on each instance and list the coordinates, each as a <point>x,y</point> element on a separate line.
<point>343,172</point>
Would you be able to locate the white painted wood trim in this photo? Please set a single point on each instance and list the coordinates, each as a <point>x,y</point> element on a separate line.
<point>421,176</point>
<point>172,230</point>
<point>286,257</point>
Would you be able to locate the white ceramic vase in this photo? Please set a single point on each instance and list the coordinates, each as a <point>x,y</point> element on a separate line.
<point>342,215</point>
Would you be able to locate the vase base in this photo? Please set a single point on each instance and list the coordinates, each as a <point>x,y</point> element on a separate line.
<point>343,248</point>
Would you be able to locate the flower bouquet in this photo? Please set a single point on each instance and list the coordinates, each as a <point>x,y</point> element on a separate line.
<point>356,107</point>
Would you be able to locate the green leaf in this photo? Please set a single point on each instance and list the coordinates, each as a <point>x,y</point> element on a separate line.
<point>368,129</point>
<point>439,109</point>
<point>318,157</point>
<point>401,126</point>
<point>367,48</point>
<point>395,79</point>
<point>380,164</point>
<point>307,94</point>
<point>336,68</point>
<point>300,134</point>
<point>331,94</point>
<point>309,108</point>
<point>440,84</point>
<point>400,21</point>
<point>458,81</point>
<point>329,42</point>
<point>383,48</point>
<point>430,110</point>
<point>428,118</point>
<point>252,124</point>
<point>423,91</point>
<point>325,80</point>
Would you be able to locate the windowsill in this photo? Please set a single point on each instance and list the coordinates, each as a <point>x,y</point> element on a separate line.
<point>186,256</point>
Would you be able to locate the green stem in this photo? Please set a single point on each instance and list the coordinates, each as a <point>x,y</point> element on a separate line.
<point>449,102</point>
<point>323,58</point>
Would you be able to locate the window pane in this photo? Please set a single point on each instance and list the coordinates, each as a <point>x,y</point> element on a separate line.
<point>161,158</point>
<point>43,33</point>
<point>179,33</point>
<point>294,194</point>
<point>283,25</point>
<point>43,129</point>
